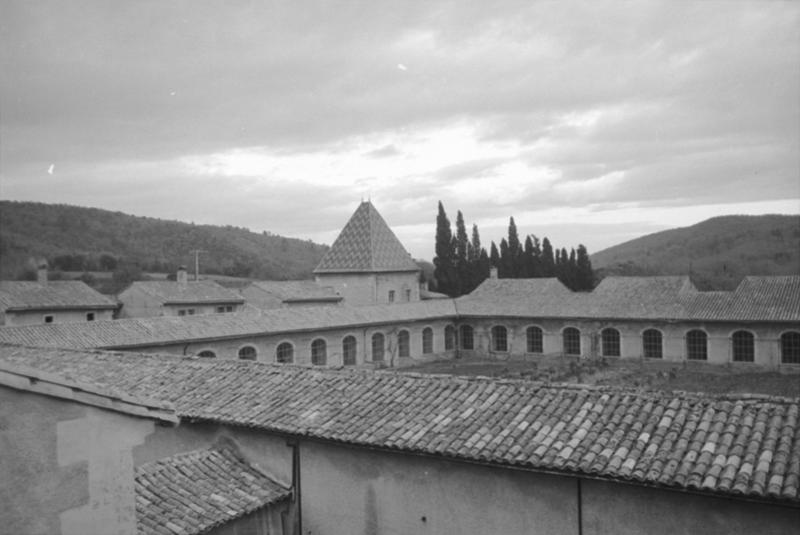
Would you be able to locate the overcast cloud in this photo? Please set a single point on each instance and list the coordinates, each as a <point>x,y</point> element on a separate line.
<point>588,122</point>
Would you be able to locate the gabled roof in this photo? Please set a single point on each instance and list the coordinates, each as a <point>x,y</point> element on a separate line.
<point>192,493</point>
<point>775,298</point>
<point>192,292</point>
<point>22,377</point>
<point>52,295</point>
<point>297,291</point>
<point>725,445</point>
<point>366,245</point>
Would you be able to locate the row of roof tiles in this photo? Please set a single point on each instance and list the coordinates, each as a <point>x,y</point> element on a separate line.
<point>197,491</point>
<point>658,298</point>
<point>725,445</point>
<point>25,295</point>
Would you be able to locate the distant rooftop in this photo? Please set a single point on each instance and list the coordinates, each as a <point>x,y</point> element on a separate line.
<point>25,295</point>
<point>175,293</point>
<point>366,245</point>
<point>298,291</point>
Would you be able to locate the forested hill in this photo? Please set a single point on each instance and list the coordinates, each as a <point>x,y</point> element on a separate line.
<point>73,238</point>
<point>719,251</point>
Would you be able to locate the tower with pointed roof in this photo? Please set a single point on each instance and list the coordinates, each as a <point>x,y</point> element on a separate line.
<point>367,264</point>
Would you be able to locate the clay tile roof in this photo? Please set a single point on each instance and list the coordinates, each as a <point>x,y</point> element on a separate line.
<point>174,293</point>
<point>23,295</point>
<point>298,290</point>
<point>148,332</point>
<point>194,492</point>
<point>728,445</point>
<point>774,298</point>
<point>365,245</point>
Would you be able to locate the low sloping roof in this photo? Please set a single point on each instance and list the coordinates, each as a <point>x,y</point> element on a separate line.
<point>637,298</point>
<point>144,332</point>
<point>774,298</point>
<point>366,245</point>
<point>21,377</point>
<point>297,291</point>
<point>53,295</point>
<point>175,293</point>
<point>730,445</point>
<point>194,492</point>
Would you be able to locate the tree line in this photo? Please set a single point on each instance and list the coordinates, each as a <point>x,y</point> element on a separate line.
<point>462,263</point>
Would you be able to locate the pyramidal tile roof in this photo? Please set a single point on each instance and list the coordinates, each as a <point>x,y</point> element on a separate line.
<point>366,244</point>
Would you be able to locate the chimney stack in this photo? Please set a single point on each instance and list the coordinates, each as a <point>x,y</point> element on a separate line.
<point>41,274</point>
<point>493,273</point>
<point>182,278</point>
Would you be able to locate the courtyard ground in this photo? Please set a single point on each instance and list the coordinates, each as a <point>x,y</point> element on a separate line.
<point>639,373</point>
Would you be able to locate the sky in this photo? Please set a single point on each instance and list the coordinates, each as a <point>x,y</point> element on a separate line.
<point>589,122</point>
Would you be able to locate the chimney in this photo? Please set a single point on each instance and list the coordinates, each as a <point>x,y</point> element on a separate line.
<point>181,276</point>
<point>493,273</point>
<point>41,274</point>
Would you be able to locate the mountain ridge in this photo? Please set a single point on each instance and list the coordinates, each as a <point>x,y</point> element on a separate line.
<point>717,252</point>
<point>31,231</point>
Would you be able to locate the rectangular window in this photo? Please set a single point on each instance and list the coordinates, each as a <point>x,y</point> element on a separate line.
<point>229,308</point>
<point>181,312</point>
<point>191,312</point>
<point>48,319</point>
<point>408,295</point>
<point>391,296</point>
<point>90,316</point>
<point>220,310</point>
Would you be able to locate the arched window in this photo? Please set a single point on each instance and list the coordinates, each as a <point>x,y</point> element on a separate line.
<point>534,340</point>
<point>499,338</point>
<point>652,344</point>
<point>427,340</point>
<point>743,346</point>
<point>247,353</point>
<point>403,344</point>
<point>377,347</point>
<point>284,354</point>
<point>207,354</point>
<point>467,337</point>
<point>449,338</point>
<point>790,348</point>
<point>571,340</point>
<point>696,345</point>
<point>610,342</point>
<point>319,352</point>
<point>349,350</point>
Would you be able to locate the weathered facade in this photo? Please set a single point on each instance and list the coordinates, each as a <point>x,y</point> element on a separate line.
<point>43,301</point>
<point>144,299</point>
<point>78,458</point>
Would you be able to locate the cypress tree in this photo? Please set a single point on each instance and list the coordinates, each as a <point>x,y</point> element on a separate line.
<point>527,259</point>
<point>504,270</point>
<point>461,262</point>
<point>444,271</point>
<point>584,276</point>
<point>494,257</point>
<point>536,267</point>
<point>548,263</point>
<point>514,251</point>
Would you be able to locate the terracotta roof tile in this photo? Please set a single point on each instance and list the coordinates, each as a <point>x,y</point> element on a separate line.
<point>298,290</point>
<point>173,293</point>
<point>366,244</point>
<point>133,332</point>
<point>197,491</point>
<point>721,444</point>
<point>24,295</point>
